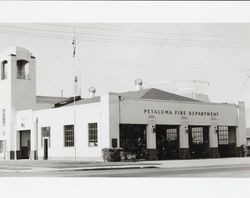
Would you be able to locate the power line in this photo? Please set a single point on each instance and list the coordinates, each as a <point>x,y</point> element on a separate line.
<point>139,64</point>
<point>125,41</point>
<point>120,29</point>
<point>115,41</point>
<point>19,33</point>
<point>154,38</point>
<point>141,39</point>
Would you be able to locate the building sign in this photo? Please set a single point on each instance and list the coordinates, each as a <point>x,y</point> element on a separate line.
<point>143,112</point>
<point>180,112</point>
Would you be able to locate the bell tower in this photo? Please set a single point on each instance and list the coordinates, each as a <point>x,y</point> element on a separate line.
<point>18,92</point>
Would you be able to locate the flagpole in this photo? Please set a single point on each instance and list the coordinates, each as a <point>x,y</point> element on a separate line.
<point>75,81</point>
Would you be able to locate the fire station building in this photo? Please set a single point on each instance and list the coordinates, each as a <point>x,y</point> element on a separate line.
<point>150,123</point>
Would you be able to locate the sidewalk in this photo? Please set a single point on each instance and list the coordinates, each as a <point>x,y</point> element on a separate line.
<point>162,164</point>
<point>204,162</point>
<point>46,166</point>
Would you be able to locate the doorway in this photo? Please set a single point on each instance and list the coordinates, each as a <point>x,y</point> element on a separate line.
<point>167,141</point>
<point>198,142</point>
<point>25,144</point>
<point>45,148</point>
<point>133,139</point>
<point>227,141</point>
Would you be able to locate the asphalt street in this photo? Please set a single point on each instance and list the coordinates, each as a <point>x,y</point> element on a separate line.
<point>211,172</point>
<point>216,170</point>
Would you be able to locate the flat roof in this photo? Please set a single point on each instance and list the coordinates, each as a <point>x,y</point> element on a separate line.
<point>50,99</point>
<point>84,101</point>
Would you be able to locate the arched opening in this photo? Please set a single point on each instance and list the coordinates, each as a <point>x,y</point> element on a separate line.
<point>23,71</point>
<point>4,70</point>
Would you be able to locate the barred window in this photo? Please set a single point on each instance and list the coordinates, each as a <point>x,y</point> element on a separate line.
<point>68,135</point>
<point>45,134</point>
<point>197,135</point>
<point>93,138</point>
<point>171,134</point>
<point>223,137</point>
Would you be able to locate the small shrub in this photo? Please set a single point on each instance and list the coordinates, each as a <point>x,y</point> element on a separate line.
<point>111,154</point>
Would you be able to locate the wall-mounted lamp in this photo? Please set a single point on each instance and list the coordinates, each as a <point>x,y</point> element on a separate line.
<point>153,129</point>
<point>216,129</point>
<point>186,128</point>
<point>121,98</point>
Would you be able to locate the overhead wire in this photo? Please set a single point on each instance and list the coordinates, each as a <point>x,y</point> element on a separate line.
<point>121,41</point>
<point>166,36</point>
<point>63,36</point>
<point>165,66</point>
<point>158,41</point>
<point>120,29</point>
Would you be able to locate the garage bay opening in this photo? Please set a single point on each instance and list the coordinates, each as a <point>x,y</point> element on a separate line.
<point>167,141</point>
<point>198,142</point>
<point>133,140</point>
<point>227,141</point>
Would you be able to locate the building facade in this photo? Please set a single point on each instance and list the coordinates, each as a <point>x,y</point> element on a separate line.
<point>149,123</point>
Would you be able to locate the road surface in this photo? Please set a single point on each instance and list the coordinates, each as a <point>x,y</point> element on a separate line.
<point>221,171</point>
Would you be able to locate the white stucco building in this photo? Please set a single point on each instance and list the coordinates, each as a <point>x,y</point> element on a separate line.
<point>151,123</point>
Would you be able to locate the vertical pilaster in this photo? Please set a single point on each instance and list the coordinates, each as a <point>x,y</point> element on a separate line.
<point>110,119</point>
<point>151,142</point>
<point>184,146</point>
<point>213,142</point>
<point>114,119</point>
<point>241,128</point>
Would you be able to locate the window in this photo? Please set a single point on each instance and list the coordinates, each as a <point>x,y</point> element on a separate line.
<point>171,134</point>
<point>3,117</point>
<point>45,134</point>
<point>22,69</point>
<point>197,135</point>
<point>93,138</point>
<point>223,137</point>
<point>68,135</point>
<point>4,70</point>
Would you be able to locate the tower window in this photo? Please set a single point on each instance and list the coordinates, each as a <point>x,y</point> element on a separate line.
<point>23,69</point>
<point>4,70</point>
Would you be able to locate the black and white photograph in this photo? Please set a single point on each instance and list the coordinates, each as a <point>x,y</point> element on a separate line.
<point>122,100</point>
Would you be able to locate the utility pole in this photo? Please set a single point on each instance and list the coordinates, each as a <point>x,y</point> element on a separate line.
<point>75,87</point>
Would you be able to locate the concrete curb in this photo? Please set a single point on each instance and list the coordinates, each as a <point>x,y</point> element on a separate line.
<point>108,168</point>
<point>35,170</point>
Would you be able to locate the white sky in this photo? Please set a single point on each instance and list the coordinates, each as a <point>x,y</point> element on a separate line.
<point>111,56</point>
